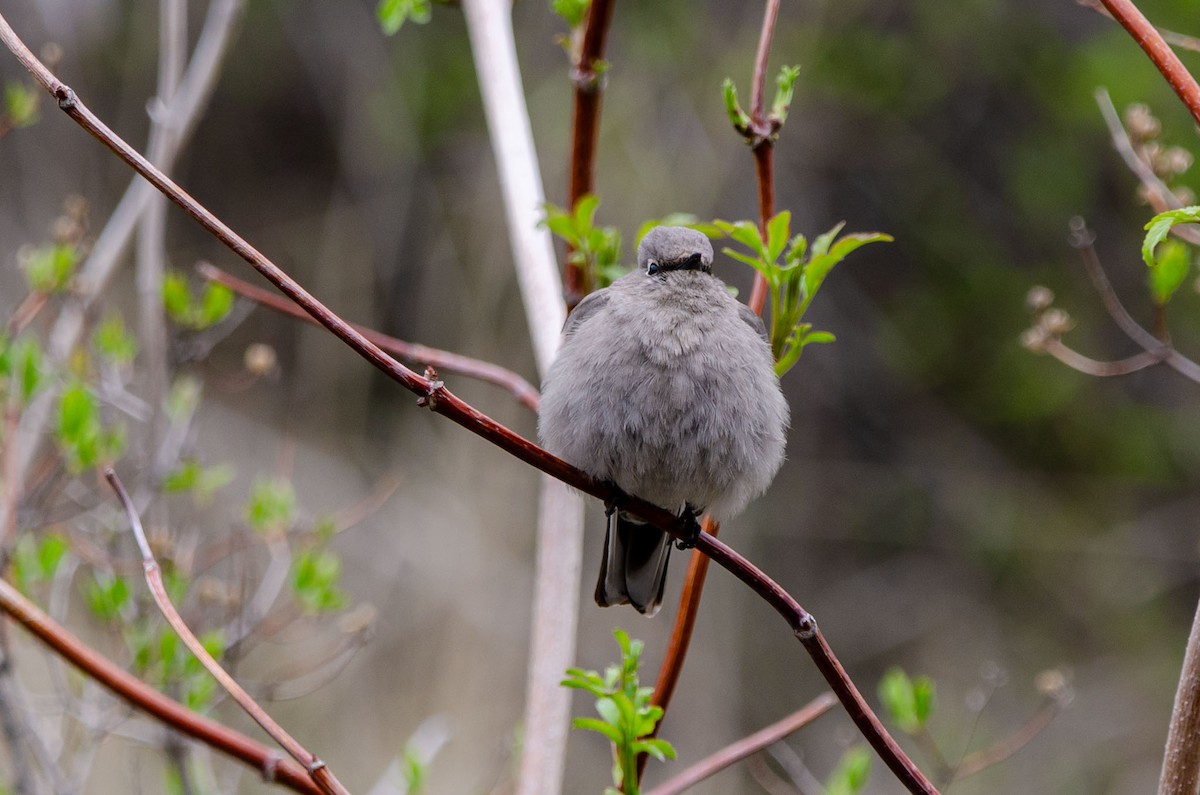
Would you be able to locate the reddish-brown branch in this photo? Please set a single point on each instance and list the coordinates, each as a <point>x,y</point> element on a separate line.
<point>762,142</point>
<point>443,361</point>
<point>731,754</point>
<point>271,763</point>
<point>681,633</point>
<point>320,773</point>
<point>436,397</point>
<point>589,88</point>
<point>764,156</point>
<point>1159,52</point>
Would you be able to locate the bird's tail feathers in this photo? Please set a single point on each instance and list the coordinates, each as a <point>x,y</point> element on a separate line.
<point>634,567</point>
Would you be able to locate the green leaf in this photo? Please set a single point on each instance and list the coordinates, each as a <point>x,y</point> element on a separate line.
<point>778,229</point>
<point>572,11</point>
<point>177,298</point>
<point>1169,270</point>
<point>896,693</point>
<point>49,554</point>
<point>909,702</point>
<point>785,86</point>
<point>24,362</point>
<point>659,749</point>
<point>215,305</point>
<point>48,269</point>
<point>20,104</point>
<point>817,338</point>
<point>113,342</point>
<point>591,724</point>
<point>315,576</point>
<point>106,595</point>
<point>392,14</point>
<point>1160,226</point>
<point>852,772</point>
<point>737,116</point>
<point>271,507</point>
<point>924,697</point>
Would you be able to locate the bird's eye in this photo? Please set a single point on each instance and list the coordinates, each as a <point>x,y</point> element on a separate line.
<point>652,267</point>
<point>693,261</point>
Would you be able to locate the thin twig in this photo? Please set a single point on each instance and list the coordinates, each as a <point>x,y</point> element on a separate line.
<point>184,113</point>
<point>587,75</point>
<point>1160,196</point>
<point>273,766</point>
<point>151,246</point>
<point>763,142</point>
<point>1089,366</point>
<point>1159,52</point>
<point>322,776</point>
<point>1083,241</point>
<point>434,396</point>
<point>731,754</point>
<point>995,754</point>
<point>444,361</point>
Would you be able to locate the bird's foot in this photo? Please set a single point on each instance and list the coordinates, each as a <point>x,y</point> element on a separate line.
<point>692,528</point>
<point>612,503</point>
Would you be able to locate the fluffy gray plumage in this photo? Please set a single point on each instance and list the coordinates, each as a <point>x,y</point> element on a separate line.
<point>665,385</point>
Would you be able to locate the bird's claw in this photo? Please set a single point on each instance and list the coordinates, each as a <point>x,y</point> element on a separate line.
<point>611,504</point>
<point>692,529</point>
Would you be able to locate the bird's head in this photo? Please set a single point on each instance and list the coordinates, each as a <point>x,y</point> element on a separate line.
<point>674,248</point>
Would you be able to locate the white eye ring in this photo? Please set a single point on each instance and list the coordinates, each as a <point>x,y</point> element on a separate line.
<point>651,267</point>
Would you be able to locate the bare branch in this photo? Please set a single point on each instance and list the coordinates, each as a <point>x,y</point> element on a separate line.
<point>747,746</point>
<point>437,398</point>
<point>444,361</point>
<point>1160,196</point>
<point>983,759</point>
<point>1083,241</point>
<point>322,776</point>
<point>273,766</point>
<point>1089,366</point>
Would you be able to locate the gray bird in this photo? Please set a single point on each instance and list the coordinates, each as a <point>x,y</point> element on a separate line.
<point>665,385</point>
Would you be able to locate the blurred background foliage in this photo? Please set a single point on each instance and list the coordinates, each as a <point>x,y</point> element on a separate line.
<point>952,503</point>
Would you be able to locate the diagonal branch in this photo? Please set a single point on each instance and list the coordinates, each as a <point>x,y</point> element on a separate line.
<point>1082,239</point>
<point>442,361</point>
<point>321,775</point>
<point>1159,52</point>
<point>436,397</point>
<point>273,766</point>
<point>747,746</point>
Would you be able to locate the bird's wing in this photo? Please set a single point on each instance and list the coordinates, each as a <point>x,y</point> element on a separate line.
<point>591,303</point>
<point>752,320</point>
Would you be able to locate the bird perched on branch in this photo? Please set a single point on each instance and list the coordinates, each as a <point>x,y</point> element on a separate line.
<point>664,385</point>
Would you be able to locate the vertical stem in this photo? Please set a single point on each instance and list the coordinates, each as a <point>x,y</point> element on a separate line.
<point>560,517</point>
<point>1181,762</point>
<point>585,127</point>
